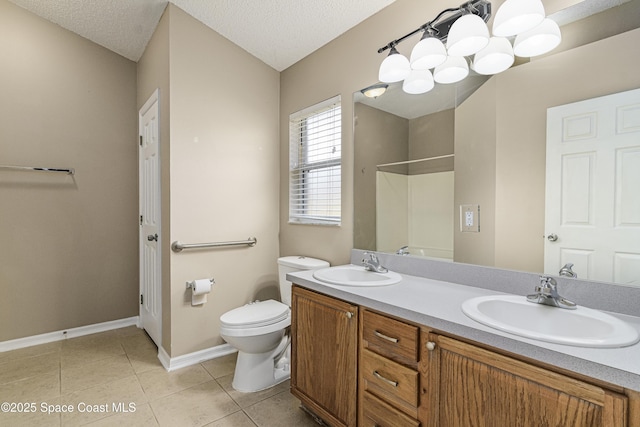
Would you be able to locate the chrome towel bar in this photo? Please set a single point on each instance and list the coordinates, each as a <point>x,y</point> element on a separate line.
<point>69,171</point>
<point>178,247</point>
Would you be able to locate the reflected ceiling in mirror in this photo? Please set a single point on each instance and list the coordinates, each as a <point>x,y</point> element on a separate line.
<point>440,98</point>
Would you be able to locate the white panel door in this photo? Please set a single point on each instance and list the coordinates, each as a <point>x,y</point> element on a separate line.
<point>150,254</point>
<point>592,212</point>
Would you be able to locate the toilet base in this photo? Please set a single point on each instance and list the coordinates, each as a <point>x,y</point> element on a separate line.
<point>256,372</point>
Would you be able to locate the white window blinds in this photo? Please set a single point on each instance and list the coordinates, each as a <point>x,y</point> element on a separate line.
<point>315,142</point>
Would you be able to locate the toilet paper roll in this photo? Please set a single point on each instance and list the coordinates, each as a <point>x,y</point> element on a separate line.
<point>201,286</point>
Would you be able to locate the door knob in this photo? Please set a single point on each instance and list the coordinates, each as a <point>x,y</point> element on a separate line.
<point>152,237</point>
<point>552,237</point>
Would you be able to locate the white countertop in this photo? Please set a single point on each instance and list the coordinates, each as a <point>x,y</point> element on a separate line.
<point>436,304</point>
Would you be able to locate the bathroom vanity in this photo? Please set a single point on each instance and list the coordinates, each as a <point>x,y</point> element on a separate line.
<point>401,355</point>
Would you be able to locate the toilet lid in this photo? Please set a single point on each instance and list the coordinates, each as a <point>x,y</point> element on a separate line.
<point>255,314</point>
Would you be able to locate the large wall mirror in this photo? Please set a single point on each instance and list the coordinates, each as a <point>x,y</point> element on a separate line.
<point>460,173</point>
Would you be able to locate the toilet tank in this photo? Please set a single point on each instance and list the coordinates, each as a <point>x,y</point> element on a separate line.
<point>291,264</point>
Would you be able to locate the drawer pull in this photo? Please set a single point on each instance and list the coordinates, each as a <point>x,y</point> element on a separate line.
<point>385,337</point>
<point>388,381</point>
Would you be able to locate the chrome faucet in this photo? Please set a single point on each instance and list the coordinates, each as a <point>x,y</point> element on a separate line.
<point>372,264</point>
<point>567,271</point>
<point>547,294</point>
<point>403,251</point>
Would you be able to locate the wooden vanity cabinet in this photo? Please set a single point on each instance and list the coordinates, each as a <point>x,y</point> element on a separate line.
<point>389,381</point>
<point>351,364</point>
<point>324,353</point>
<point>471,386</point>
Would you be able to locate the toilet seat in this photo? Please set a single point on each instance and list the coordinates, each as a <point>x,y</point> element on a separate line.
<point>256,318</point>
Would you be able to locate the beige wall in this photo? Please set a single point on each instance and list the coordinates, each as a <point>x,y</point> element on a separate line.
<point>222,151</point>
<point>68,252</point>
<point>431,136</point>
<point>475,168</point>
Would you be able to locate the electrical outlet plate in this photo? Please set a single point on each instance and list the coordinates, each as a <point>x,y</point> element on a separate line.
<point>470,218</point>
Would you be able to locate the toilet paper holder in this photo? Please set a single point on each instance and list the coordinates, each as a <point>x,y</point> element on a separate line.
<point>190,284</point>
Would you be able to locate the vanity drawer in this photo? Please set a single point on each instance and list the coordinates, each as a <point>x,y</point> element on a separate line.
<point>390,381</point>
<point>376,413</point>
<point>389,337</point>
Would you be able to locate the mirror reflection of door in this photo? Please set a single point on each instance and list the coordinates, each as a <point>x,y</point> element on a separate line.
<point>593,188</point>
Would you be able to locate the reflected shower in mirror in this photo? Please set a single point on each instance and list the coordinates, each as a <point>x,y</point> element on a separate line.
<point>405,155</point>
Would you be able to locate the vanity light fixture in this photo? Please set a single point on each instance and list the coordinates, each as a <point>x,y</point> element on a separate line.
<point>429,52</point>
<point>539,40</point>
<point>519,29</point>
<point>495,58</point>
<point>375,91</point>
<point>419,81</point>
<point>394,68</point>
<point>454,69</point>
<point>516,16</point>
<point>468,35</point>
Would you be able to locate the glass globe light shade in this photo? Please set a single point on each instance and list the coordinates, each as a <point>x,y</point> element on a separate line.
<point>419,81</point>
<point>516,16</point>
<point>394,68</point>
<point>375,90</point>
<point>542,39</point>
<point>467,35</point>
<point>454,69</point>
<point>428,53</point>
<point>495,58</point>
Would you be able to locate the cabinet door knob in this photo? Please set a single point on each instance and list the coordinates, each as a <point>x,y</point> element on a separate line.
<point>431,346</point>
<point>348,314</point>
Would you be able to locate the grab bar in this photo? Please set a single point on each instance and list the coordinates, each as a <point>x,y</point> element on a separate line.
<point>69,171</point>
<point>178,247</point>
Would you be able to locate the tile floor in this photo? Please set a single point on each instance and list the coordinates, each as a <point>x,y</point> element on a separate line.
<point>100,376</point>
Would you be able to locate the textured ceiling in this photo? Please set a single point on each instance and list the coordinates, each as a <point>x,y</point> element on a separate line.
<point>279,32</point>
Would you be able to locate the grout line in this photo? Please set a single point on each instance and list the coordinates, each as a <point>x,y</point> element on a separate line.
<point>250,419</point>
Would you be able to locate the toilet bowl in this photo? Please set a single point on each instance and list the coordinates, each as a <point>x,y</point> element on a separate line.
<point>259,331</point>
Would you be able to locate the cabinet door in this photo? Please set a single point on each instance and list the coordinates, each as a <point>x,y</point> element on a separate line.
<point>324,355</point>
<point>476,387</point>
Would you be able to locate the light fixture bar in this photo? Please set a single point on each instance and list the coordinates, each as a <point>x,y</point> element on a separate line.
<point>482,8</point>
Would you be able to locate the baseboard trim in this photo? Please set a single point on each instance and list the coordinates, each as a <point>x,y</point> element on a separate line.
<point>173,363</point>
<point>68,333</point>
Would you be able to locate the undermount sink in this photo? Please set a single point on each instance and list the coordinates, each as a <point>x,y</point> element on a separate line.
<point>582,327</point>
<point>355,275</point>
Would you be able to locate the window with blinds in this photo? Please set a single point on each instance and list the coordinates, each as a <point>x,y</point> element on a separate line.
<point>315,140</point>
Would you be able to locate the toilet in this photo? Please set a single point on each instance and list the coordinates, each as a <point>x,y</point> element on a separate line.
<point>259,331</point>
